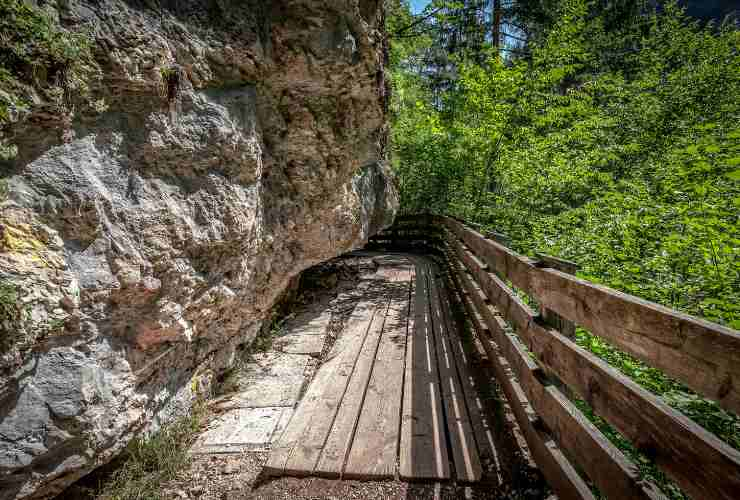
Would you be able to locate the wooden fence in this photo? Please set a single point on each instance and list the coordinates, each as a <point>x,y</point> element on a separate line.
<point>542,370</point>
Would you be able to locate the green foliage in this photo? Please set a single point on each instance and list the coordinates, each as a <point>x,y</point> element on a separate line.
<point>38,58</point>
<point>11,313</point>
<point>706,413</point>
<point>630,171</point>
<point>153,460</point>
<point>615,144</point>
<point>169,86</point>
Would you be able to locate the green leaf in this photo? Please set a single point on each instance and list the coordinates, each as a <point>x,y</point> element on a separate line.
<point>735,176</point>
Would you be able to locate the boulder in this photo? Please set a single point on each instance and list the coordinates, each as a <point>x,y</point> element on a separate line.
<point>142,244</point>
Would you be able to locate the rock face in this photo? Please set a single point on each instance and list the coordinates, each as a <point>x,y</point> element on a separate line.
<point>141,245</point>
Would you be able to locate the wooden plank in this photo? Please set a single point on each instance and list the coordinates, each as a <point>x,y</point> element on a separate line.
<point>558,471</point>
<point>339,441</point>
<point>375,446</point>
<point>702,465</point>
<point>459,428</point>
<point>306,454</point>
<point>411,226</point>
<point>604,464</point>
<point>493,287</point>
<point>480,421</point>
<point>503,260</point>
<point>356,330</point>
<point>423,452</point>
<point>302,442</point>
<point>482,332</point>
<point>427,239</point>
<point>564,326</point>
<point>675,442</point>
<point>703,355</point>
<point>420,219</point>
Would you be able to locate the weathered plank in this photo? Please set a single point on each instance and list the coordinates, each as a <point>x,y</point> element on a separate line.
<point>397,239</point>
<point>423,453</point>
<point>563,325</point>
<point>410,226</point>
<point>338,443</point>
<point>479,419</point>
<point>459,428</point>
<point>482,332</point>
<point>605,465</point>
<point>675,442</point>
<point>375,446</point>
<point>499,258</point>
<point>559,472</point>
<point>481,329</point>
<point>492,286</point>
<point>703,355</point>
<point>297,452</point>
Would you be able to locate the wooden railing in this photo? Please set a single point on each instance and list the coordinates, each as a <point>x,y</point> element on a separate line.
<point>542,370</point>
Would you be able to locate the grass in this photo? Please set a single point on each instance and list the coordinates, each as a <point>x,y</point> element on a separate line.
<point>152,461</point>
<point>170,83</point>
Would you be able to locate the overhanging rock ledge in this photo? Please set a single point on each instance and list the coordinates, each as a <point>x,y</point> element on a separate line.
<point>146,242</point>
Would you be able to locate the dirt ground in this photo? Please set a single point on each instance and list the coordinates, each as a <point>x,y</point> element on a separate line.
<point>214,477</point>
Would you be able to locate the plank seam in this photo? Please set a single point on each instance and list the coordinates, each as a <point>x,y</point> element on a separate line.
<point>364,338</point>
<point>445,427</point>
<point>364,394</point>
<point>412,283</point>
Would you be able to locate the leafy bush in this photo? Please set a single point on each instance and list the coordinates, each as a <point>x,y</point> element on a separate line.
<point>627,165</point>
<point>39,58</point>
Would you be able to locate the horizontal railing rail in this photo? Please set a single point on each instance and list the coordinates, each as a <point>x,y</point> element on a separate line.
<point>542,370</point>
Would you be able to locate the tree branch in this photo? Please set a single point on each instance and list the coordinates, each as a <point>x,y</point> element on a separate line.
<point>415,23</point>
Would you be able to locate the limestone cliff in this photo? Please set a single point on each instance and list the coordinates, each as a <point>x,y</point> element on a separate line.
<point>236,144</point>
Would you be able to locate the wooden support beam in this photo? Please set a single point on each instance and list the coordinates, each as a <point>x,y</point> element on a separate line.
<point>675,442</point>
<point>552,318</point>
<point>605,465</point>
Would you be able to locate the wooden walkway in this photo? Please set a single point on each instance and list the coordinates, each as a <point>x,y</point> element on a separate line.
<point>394,398</point>
<point>556,389</point>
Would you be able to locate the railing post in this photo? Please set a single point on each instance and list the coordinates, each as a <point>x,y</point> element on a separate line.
<point>564,326</point>
<point>499,237</point>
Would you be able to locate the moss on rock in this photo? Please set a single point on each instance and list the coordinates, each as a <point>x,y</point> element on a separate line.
<point>40,63</point>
